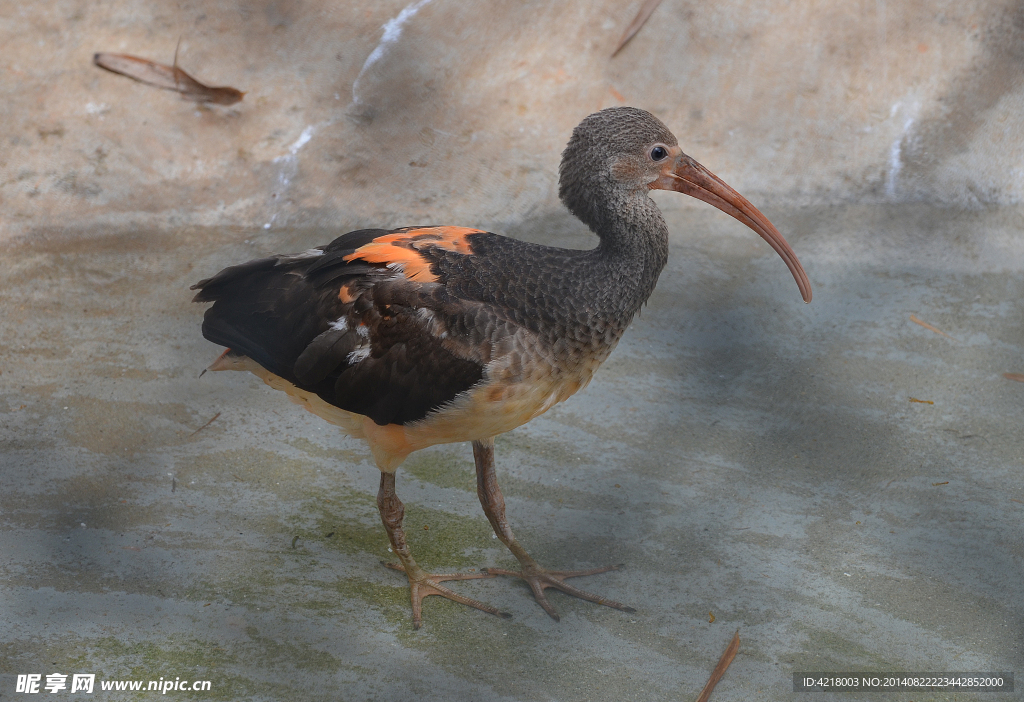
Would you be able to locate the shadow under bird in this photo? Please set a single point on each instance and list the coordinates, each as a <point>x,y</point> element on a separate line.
<point>412,337</point>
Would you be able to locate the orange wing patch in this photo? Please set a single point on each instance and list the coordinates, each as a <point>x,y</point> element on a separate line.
<point>345,294</point>
<point>402,249</point>
<point>448,238</point>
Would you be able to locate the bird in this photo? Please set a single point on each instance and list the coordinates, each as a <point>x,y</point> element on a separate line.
<point>423,335</point>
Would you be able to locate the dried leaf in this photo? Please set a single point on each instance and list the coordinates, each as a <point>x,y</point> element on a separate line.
<point>923,402</point>
<point>1019,377</point>
<point>719,671</point>
<point>166,77</point>
<point>641,17</point>
<point>711,617</point>
<point>204,426</point>
<point>915,320</point>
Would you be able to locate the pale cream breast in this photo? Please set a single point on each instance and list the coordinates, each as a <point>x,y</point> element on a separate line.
<point>511,394</point>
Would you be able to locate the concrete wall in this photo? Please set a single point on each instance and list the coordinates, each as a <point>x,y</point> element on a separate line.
<point>459,113</point>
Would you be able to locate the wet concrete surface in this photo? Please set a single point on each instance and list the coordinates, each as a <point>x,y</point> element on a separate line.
<point>743,455</point>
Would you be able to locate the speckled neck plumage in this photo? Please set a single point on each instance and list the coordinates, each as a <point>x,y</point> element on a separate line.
<point>633,235</point>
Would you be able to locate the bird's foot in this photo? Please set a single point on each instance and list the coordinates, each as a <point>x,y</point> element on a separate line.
<point>423,584</point>
<point>540,579</point>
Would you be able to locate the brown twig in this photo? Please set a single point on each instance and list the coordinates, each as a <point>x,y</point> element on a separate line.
<point>915,320</point>
<point>719,671</point>
<point>641,17</point>
<point>204,426</point>
<point>1019,377</point>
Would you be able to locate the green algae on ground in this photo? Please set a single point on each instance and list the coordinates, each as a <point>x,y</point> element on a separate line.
<point>391,601</point>
<point>347,523</point>
<point>350,517</point>
<point>276,473</point>
<point>443,467</point>
<point>337,455</point>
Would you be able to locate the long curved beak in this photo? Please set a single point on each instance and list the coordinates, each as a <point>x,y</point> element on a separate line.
<point>684,175</point>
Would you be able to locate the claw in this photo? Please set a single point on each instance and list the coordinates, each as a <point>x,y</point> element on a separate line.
<point>540,580</point>
<point>419,588</point>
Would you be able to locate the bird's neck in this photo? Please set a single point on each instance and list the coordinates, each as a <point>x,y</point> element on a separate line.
<point>632,252</point>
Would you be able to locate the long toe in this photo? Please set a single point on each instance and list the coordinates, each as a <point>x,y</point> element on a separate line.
<point>540,579</point>
<point>429,584</point>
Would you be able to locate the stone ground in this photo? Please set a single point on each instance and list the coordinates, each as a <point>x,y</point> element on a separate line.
<point>842,485</point>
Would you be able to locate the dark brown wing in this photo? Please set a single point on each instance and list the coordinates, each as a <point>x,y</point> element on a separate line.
<point>366,322</point>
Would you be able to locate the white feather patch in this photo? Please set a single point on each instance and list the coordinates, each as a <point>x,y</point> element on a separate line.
<point>434,325</point>
<point>358,355</point>
<point>341,324</point>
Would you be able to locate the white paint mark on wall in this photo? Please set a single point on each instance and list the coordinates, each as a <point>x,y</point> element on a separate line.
<point>392,31</point>
<point>303,139</point>
<point>97,109</point>
<point>289,163</point>
<point>896,150</point>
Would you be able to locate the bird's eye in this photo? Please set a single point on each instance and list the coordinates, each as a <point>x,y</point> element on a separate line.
<point>658,153</point>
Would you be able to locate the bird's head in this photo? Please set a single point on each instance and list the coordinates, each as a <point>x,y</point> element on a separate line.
<point>624,152</point>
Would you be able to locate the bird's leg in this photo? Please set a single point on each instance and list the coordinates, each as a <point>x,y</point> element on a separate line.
<point>421,583</point>
<point>538,578</point>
